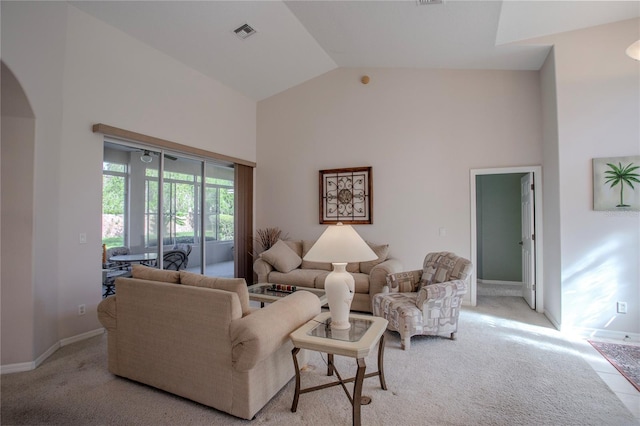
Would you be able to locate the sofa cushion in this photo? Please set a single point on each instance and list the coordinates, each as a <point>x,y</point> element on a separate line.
<point>382,251</point>
<point>237,285</point>
<point>155,274</point>
<point>322,266</point>
<point>282,257</point>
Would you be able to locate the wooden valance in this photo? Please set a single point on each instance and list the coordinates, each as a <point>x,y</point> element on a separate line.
<point>163,143</point>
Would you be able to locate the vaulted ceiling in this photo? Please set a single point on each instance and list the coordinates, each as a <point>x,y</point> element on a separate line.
<point>298,40</point>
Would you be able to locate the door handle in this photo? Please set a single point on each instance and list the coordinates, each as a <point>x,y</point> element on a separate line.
<point>521,243</point>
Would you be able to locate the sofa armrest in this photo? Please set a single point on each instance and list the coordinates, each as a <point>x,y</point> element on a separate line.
<point>378,274</point>
<point>258,335</point>
<point>262,268</point>
<point>107,313</point>
<point>440,291</point>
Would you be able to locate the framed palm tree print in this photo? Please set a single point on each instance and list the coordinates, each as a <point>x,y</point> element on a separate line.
<point>616,183</point>
<point>346,195</point>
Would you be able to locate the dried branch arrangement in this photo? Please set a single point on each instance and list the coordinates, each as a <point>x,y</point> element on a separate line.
<point>267,237</point>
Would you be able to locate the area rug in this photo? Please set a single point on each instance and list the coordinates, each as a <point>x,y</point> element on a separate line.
<point>625,358</point>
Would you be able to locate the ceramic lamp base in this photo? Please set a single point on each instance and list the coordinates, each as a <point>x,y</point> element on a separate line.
<point>339,287</point>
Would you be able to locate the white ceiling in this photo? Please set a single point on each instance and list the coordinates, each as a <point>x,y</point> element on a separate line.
<point>299,40</point>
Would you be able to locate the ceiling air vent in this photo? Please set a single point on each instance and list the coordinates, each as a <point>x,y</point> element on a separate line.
<point>244,31</point>
<point>426,2</point>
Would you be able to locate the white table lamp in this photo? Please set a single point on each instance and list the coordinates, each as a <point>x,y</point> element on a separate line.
<point>339,245</point>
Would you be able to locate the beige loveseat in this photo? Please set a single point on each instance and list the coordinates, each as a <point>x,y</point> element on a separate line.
<point>197,337</point>
<point>283,264</point>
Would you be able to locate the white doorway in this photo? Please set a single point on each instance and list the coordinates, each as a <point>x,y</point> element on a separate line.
<point>532,265</point>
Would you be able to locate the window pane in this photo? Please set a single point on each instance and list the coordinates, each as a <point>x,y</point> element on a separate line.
<point>226,202</point>
<point>151,216</point>
<point>181,196</point>
<point>113,205</point>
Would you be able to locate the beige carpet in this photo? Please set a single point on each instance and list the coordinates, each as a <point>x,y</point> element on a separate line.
<point>508,367</point>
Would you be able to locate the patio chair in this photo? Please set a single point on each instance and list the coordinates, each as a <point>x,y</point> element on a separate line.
<point>174,260</point>
<point>185,248</point>
<point>117,251</point>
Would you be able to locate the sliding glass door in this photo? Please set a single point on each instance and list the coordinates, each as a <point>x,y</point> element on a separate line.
<point>218,220</point>
<point>153,203</point>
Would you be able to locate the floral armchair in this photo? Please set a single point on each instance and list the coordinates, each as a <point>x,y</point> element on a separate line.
<point>425,301</point>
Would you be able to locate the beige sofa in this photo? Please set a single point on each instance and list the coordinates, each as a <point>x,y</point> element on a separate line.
<point>283,264</point>
<point>197,337</point>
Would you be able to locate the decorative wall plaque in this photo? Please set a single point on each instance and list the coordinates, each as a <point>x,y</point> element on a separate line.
<point>346,195</point>
<point>616,184</point>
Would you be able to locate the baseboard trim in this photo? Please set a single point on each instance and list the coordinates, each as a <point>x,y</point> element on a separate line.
<point>80,337</point>
<point>481,281</point>
<point>591,333</point>
<point>28,366</point>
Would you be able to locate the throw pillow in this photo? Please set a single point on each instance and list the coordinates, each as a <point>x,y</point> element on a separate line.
<point>281,257</point>
<point>382,251</point>
<point>153,274</point>
<point>402,282</point>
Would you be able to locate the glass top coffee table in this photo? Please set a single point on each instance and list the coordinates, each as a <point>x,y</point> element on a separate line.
<point>356,342</point>
<point>266,293</point>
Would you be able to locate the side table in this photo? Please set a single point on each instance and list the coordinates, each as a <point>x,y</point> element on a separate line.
<point>357,342</point>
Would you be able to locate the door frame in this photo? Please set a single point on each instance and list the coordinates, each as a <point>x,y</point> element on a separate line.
<point>537,181</point>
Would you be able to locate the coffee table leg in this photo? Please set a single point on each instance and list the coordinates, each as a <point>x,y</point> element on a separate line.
<point>357,391</point>
<point>296,395</point>
<point>383,383</point>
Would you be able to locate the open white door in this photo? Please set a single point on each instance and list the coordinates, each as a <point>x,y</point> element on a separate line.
<point>528,240</point>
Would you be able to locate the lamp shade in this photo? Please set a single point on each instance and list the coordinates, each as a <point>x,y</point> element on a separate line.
<point>340,244</point>
<point>633,51</point>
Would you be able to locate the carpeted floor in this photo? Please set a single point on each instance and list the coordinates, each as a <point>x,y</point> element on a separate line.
<point>625,358</point>
<point>509,366</point>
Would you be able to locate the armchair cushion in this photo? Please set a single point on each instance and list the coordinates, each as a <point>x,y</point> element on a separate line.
<point>282,257</point>
<point>444,266</point>
<point>403,282</point>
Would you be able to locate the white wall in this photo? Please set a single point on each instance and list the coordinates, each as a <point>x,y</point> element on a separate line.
<point>33,35</point>
<point>421,131</point>
<point>552,258</point>
<point>77,71</point>
<point>17,230</point>
<point>598,110</point>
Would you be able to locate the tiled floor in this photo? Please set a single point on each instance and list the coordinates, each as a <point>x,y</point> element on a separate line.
<point>616,381</point>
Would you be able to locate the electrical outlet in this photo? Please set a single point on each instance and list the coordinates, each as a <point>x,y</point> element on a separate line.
<point>81,309</point>
<point>83,238</point>
<point>622,307</point>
